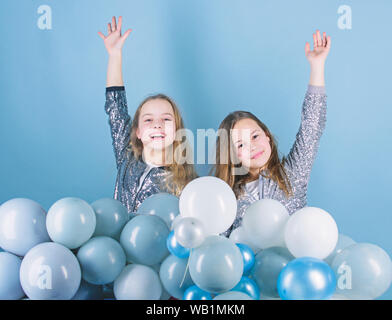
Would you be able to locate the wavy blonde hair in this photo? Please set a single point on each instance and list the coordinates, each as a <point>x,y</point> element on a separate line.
<point>181,173</point>
<point>225,171</point>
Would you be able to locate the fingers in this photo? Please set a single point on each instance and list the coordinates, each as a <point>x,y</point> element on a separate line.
<point>328,42</point>
<point>307,48</point>
<point>126,34</point>
<point>319,42</point>
<point>314,41</point>
<point>109,28</point>
<point>324,39</point>
<point>101,35</point>
<point>114,24</point>
<point>119,23</point>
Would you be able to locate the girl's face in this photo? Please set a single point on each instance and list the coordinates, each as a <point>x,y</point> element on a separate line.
<point>157,125</point>
<point>251,144</point>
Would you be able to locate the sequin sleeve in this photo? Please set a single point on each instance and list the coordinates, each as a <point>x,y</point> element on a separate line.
<point>303,152</point>
<point>119,121</point>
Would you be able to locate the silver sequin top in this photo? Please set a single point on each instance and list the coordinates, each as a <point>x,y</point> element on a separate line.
<point>299,160</point>
<point>129,170</point>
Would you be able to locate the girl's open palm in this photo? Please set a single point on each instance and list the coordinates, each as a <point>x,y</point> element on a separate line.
<point>114,41</point>
<point>320,50</point>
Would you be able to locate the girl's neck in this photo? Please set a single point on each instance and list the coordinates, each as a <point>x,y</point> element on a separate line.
<point>154,157</point>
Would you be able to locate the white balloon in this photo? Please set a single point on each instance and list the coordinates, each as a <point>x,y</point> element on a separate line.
<point>212,201</point>
<point>239,236</point>
<point>311,232</point>
<point>264,222</point>
<point>189,232</point>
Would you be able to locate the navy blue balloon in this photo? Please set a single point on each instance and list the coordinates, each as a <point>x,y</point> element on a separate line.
<point>175,248</point>
<point>195,293</point>
<point>306,278</point>
<point>248,257</point>
<point>248,286</point>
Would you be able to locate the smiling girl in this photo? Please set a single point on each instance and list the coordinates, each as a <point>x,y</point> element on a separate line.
<point>252,147</point>
<point>146,149</point>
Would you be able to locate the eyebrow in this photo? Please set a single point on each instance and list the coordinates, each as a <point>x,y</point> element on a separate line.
<point>150,114</point>
<point>250,134</point>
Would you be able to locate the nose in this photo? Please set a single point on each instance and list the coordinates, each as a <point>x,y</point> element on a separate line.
<point>158,124</point>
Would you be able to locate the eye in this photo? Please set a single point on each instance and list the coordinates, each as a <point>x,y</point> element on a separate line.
<point>255,136</point>
<point>168,119</point>
<point>240,146</point>
<point>147,120</point>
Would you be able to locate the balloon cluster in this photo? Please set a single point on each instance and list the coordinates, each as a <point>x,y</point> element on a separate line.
<point>173,248</point>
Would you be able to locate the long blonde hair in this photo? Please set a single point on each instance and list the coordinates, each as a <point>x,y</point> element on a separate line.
<point>181,173</point>
<point>225,171</point>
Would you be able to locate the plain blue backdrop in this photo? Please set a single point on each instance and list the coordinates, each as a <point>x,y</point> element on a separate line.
<point>212,57</point>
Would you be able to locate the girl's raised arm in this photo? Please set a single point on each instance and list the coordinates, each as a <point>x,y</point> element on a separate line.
<point>116,102</point>
<point>313,118</point>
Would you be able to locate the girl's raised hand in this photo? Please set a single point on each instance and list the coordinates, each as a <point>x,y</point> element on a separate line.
<point>320,50</point>
<point>114,40</point>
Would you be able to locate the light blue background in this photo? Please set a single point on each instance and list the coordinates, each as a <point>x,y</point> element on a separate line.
<point>212,57</point>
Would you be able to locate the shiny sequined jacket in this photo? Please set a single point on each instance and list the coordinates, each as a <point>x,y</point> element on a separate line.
<point>129,170</point>
<point>299,160</point>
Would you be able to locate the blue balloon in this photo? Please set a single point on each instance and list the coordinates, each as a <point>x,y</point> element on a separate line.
<point>216,265</point>
<point>171,273</point>
<point>22,225</point>
<point>10,288</point>
<point>247,256</point>
<point>248,286</point>
<point>111,217</point>
<point>144,240</point>
<point>175,248</point>
<point>88,291</point>
<point>71,222</point>
<point>137,282</point>
<point>233,295</point>
<point>195,293</point>
<point>268,265</point>
<point>50,271</point>
<point>101,259</point>
<point>306,278</point>
<point>163,205</point>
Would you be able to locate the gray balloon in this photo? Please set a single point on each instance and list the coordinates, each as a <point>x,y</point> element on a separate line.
<point>172,272</point>
<point>217,265</point>
<point>189,232</point>
<point>267,267</point>
<point>50,271</point>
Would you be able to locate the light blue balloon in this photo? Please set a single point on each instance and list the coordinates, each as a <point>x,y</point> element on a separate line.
<point>363,270</point>
<point>101,259</point>
<point>248,286</point>
<point>268,265</point>
<point>144,240</point>
<point>216,265</point>
<point>50,271</point>
<point>171,273</point>
<point>306,278</point>
<point>163,205</point>
<point>233,295</point>
<point>343,242</point>
<point>88,291</point>
<point>175,248</point>
<point>137,282</point>
<point>195,293</point>
<point>111,216</point>
<point>70,222</point>
<point>10,288</point>
<point>22,225</point>
<point>247,256</point>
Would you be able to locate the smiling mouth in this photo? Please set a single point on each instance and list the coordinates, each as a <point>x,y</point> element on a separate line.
<point>157,136</point>
<point>257,155</point>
